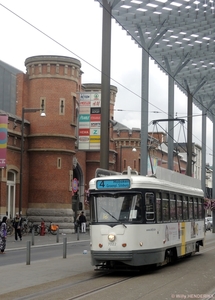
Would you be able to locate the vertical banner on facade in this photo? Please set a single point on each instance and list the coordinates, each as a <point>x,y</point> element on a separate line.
<point>3,140</point>
<point>89,121</point>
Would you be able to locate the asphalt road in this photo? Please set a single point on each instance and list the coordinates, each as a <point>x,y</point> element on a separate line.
<point>51,277</point>
<point>42,252</point>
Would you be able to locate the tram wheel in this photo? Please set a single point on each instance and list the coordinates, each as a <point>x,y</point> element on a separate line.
<point>171,255</point>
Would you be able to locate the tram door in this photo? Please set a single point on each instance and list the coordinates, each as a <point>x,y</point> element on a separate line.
<point>11,189</point>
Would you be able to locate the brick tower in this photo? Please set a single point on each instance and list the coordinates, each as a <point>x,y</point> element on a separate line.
<point>51,83</point>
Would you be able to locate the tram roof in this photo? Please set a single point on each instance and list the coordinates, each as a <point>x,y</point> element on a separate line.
<point>179,35</point>
<point>164,178</point>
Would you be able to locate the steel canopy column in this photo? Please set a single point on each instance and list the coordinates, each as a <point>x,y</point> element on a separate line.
<point>213,178</point>
<point>183,62</point>
<point>171,122</point>
<point>189,133</point>
<point>144,113</point>
<point>105,90</point>
<point>203,176</point>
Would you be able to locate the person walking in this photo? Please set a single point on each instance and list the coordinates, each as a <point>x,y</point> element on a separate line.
<point>83,221</point>
<point>17,224</point>
<point>3,235</point>
<point>77,223</point>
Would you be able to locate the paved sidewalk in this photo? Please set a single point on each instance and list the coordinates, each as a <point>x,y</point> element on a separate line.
<point>44,240</point>
<point>18,276</point>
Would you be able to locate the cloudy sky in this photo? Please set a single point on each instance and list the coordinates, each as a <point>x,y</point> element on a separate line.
<point>74,28</point>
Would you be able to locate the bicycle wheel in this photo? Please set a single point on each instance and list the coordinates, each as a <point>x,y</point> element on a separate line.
<point>9,229</point>
<point>24,229</point>
<point>47,229</point>
<point>36,229</point>
<point>29,227</point>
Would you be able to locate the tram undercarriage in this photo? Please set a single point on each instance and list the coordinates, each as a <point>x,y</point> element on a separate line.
<point>133,260</point>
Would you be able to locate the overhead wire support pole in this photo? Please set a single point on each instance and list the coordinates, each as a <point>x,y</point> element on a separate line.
<point>105,93</point>
<point>170,123</point>
<point>189,134</point>
<point>144,109</point>
<point>203,171</point>
<point>213,176</point>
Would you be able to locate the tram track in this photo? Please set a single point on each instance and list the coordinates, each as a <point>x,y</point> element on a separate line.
<point>104,281</point>
<point>85,282</point>
<point>91,285</point>
<point>92,292</point>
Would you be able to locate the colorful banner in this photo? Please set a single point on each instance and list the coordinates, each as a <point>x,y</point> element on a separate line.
<point>89,121</point>
<point>3,140</point>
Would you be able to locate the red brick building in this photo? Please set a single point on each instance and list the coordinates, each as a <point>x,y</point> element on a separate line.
<point>51,158</point>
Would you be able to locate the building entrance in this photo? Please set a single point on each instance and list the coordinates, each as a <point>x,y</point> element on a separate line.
<point>11,189</point>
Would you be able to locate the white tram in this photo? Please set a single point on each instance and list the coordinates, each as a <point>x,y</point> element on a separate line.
<point>141,220</point>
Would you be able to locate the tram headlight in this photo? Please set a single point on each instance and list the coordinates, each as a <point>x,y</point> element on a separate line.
<point>111,237</point>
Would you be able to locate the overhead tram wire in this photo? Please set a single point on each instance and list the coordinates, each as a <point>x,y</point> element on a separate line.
<point>209,149</point>
<point>197,115</point>
<point>55,41</point>
<point>70,51</point>
<point>48,36</point>
<point>152,112</point>
<point>165,71</point>
<point>179,122</point>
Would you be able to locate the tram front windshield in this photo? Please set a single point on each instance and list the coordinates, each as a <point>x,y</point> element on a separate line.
<point>110,208</point>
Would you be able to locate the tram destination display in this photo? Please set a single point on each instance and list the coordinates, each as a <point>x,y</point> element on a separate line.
<point>113,184</point>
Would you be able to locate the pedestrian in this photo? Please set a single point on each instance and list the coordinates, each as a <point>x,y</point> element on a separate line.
<point>77,223</point>
<point>3,234</point>
<point>83,221</point>
<point>17,224</point>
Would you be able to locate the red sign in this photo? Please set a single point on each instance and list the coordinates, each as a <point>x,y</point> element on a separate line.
<point>95,117</point>
<point>84,132</point>
<point>85,103</point>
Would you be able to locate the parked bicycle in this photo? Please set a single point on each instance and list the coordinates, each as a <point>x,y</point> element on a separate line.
<point>28,226</point>
<point>9,227</point>
<point>51,228</point>
<point>33,227</point>
<point>25,228</point>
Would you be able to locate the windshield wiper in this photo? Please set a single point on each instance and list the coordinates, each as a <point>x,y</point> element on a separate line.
<point>114,217</point>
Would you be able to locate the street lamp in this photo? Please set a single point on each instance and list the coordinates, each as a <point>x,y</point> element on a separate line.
<point>24,110</point>
<point>121,162</point>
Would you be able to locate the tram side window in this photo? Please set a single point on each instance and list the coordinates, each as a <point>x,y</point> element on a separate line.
<point>195,202</point>
<point>179,207</point>
<point>165,206</point>
<point>191,208</point>
<point>185,208</point>
<point>158,207</point>
<point>200,208</point>
<point>172,207</point>
<point>149,203</point>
